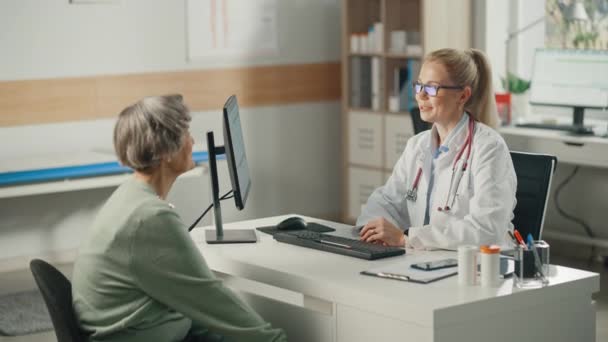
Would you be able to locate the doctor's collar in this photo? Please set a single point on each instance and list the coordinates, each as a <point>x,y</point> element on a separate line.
<point>451,139</point>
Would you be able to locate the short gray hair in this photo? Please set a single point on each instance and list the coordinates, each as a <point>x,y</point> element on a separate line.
<point>149,130</point>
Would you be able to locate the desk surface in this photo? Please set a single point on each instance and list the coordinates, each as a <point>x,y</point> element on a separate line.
<point>335,278</point>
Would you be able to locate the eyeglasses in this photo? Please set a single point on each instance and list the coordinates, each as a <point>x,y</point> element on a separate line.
<point>431,89</point>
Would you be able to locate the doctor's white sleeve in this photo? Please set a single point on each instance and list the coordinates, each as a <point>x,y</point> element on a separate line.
<point>490,207</point>
<point>388,201</point>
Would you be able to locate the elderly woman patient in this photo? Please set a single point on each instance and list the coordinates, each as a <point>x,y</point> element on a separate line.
<point>139,276</point>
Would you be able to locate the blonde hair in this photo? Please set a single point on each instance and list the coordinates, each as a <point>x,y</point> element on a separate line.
<point>471,68</point>
<point>149,130</point>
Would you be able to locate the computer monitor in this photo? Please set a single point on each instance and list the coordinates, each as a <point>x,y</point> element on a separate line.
<point>235,153</point>
<point>234,148</point>
<point>571,78</point>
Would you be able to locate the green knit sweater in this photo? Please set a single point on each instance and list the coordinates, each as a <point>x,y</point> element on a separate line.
<point>140,277</point>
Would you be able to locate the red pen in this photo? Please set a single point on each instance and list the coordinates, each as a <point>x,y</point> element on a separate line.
<point>519,238</point>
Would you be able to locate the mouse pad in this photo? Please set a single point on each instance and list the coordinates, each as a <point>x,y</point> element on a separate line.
<point>315,227</point>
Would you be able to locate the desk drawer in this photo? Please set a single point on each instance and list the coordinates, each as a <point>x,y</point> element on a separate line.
<point>398,129</point>
<point>355,325</point>
<point>365,139</point>
<point>300,324</point>
<point>573,152</point>
<point>361,184</point>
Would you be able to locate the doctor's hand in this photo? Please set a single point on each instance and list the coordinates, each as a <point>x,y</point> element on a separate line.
<point>382,231</point>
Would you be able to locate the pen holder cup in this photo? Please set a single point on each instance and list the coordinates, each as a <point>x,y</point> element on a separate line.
<point>526,271</point>
<point>543,252</point>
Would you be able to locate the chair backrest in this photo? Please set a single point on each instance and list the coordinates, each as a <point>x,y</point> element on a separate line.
<point>417,122</point>
<point>534,173</point>
<point>56,290</point>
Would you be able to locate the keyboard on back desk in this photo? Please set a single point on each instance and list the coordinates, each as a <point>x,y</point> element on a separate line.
<point>339,245</point>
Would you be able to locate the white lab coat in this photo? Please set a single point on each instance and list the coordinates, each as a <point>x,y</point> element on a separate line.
<point>485,200</point>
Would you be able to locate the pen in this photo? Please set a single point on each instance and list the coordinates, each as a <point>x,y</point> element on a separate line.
<point>530,240</point>
<point>512,237</point>
<point>519,239</point>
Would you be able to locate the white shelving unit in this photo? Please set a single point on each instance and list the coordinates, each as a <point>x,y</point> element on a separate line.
<point>374,138</point>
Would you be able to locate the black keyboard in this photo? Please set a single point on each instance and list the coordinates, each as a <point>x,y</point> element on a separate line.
<point>339,245</point>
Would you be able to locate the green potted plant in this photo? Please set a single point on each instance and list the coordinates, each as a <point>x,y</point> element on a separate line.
<point>515,85</point>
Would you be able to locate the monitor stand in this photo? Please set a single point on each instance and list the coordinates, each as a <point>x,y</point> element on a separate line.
<point>219,235</point>
<point>577,123</point>
<point>231,236</point>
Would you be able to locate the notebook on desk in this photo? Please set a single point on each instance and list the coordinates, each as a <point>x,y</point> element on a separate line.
<point>403,271</point>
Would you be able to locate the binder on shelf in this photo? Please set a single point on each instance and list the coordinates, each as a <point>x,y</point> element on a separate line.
<point>413,66</point>
<point>377,88</point>
<point>400,86</point>
<point>360,91</point>
<point>378,37</point>
<point>355,82</point>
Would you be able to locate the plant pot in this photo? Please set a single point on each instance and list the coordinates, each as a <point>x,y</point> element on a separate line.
<point>520,105</point>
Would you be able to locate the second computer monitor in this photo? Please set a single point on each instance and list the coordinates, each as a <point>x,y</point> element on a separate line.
<point>235,152</point>
<point>234,148</point>
<point>570,78</point>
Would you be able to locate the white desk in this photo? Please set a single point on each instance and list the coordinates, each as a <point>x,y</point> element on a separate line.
<point>579,150</point>
<point>319,296</point>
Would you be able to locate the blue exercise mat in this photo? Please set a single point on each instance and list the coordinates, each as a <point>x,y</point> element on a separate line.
<point>76,171</point>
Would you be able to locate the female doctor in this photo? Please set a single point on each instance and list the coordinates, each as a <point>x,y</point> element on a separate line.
<point>454,184</point>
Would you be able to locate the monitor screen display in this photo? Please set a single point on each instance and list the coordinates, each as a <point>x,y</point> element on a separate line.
<point>573,78</point>
<point>235,152</point>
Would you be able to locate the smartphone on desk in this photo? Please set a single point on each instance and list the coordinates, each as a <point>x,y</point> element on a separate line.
<point>435,265</point>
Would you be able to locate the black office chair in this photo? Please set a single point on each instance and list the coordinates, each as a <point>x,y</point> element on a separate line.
<point>419,125</point>
<point>534,173</point>
<point>56,290</point>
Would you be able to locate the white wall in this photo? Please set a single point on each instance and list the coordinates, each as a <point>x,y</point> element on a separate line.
<point>293,150</point>
<point>489,33</point>
<point>52,38</point>
<point>527,12</point>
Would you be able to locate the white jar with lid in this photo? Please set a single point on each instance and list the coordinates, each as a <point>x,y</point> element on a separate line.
<point>467,265</point>
<point>490,265</point>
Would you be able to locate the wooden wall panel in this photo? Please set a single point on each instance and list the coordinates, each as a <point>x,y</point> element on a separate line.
<point>87,98</point>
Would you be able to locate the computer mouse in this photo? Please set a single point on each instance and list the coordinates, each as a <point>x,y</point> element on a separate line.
<point>292,223</point>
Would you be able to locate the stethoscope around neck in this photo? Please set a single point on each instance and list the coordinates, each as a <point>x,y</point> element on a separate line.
<point>458,168</point>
